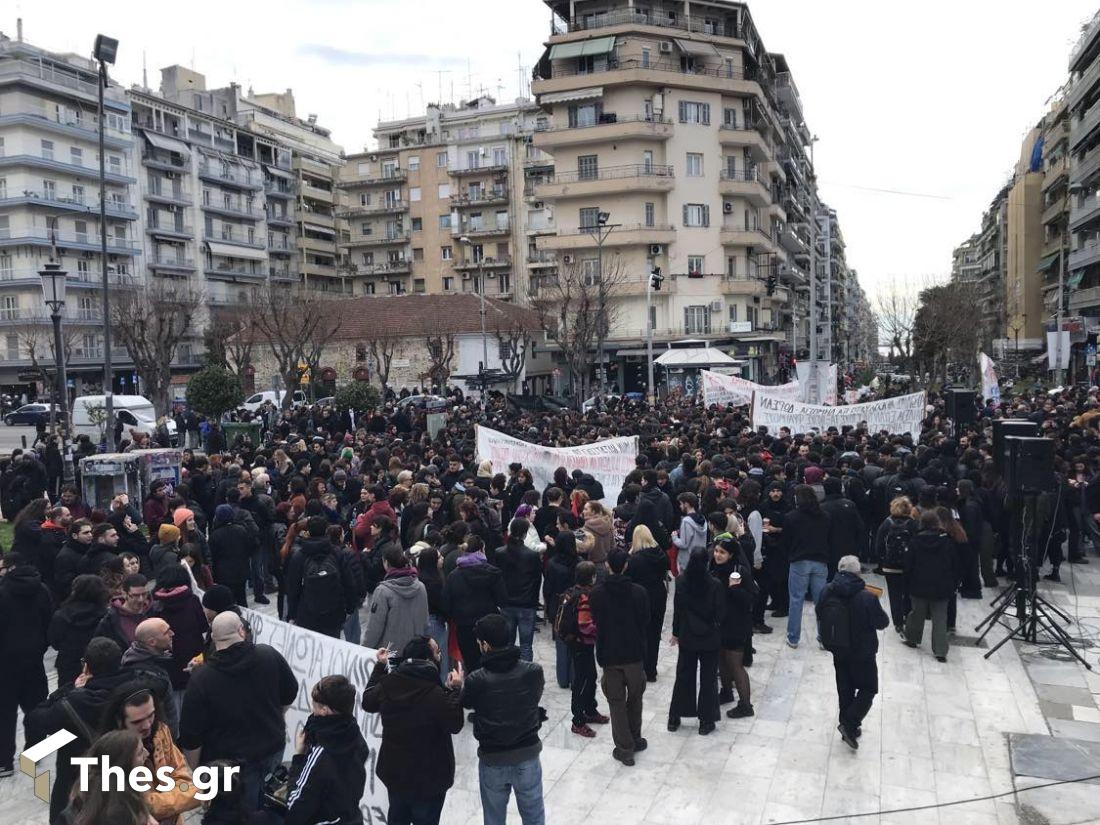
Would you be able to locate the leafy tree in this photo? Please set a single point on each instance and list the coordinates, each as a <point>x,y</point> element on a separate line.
<point>213,391</point>
<point>358,396</point>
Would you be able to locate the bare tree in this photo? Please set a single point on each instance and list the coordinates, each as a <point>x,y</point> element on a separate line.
<point>943,331</point>
<point>577,311</point>
<point>231,338</point>
<point>441,352</point>
<point>151,321</point>
<point>896,311</point>
<point>382,348</point>
<point>514,340</point>
<point>38,342</point>
<point>296,325</point>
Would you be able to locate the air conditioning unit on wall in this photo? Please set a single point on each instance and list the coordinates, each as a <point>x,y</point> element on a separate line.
<point>665,48</point>
<point>654,249</point>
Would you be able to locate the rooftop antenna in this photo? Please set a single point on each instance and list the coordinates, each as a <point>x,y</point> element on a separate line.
<point>144,72</point>
<point>469,80</point>
<point>519,75</point>
<point>439,79</point>
<point>420,86</point>
<point>500,89</point>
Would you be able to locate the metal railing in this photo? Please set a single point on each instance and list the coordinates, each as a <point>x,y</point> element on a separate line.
<point>490,169</point>
<point>172,260</point>
<point>242,178</point>
<point>48,73</point>
<point>629,170</point>
<point>622,17</point>
<point>725,72</point>
<point>627,227</point>
<point>751,175</point>
<point>176,229</point>
<point>607,119</point>
<point>482,199</point>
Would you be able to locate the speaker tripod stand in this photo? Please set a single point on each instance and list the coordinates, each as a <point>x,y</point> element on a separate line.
<point>1034,614</point>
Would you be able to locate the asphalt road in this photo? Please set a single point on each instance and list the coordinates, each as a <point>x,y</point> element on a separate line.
<point>12,437</point>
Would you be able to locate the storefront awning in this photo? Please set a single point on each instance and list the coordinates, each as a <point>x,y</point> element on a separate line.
<point>228,250</point>
<point>696,49</point>
<point>582,48</point>
<point>279,173</point>
<point>168,144</point>
<point>327,231</point>
<point>1047,261</point>
<point>695,357</point>
<point>578,94</point>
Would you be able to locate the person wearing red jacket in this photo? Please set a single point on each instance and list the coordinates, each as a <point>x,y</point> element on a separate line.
<point>379,506</point>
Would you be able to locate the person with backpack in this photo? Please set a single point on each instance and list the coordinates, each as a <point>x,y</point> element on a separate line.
<point>930,577</point>
<point>849,617</point>
<point>575,626</point>
<point>698,609</point>
<point>892,543</point>
<point>399,608</point>
<point>559,577</point>
<point>320,592</point>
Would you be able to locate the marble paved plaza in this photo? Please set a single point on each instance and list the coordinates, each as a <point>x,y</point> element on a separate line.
<point>938,734</point>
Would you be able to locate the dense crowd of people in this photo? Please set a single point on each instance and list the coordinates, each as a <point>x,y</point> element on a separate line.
<point>367,528</point>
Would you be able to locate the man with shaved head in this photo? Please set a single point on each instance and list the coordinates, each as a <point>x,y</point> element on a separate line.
<point>149,657</point>
<point>235,705</point>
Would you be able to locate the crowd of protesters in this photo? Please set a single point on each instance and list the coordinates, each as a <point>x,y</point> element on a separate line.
<point>367,528</point>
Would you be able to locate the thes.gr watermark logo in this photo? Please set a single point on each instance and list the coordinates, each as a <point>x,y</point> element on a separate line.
<point>29,759</point>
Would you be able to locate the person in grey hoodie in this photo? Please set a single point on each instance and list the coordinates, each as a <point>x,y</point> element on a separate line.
<point>399,605</point>
<point>692,534</point>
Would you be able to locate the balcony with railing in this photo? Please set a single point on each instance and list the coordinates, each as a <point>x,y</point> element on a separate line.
<point>81,240</point>
<point>744,183</point>
<point>727,78</point>
<point>1086,254</point>
<point>51,199</point>
<point>279,218</point>
<point>385,207</point>
<point>401,267</point>
<point>173,194</point>
<point>278,188</point>
<point>497,262</point>
<point>542,258</point>
<point>1084,127</point>
<point>630,234</point>
<point>168,161</point>
<point>386,239</point>
<point>1085,167</point>
<point>725,27</point>
<point>384,179</point>
<point>235,210</point>
<point>239,178</point>
<point>608,180</point>
<point>608,126</point>
<point>49,74</point>
<point>235,269</point>
<point>170,230</point>
<point>495,169</point>
<point>171,262</point>
<point>483,198</point>
<point>65,123</point>
<point>115,173</point>
<point>482,230</point>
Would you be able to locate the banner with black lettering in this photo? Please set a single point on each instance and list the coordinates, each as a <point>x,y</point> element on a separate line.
<point>902,414</point>
<point>731,389</point>
<point>608,461</point>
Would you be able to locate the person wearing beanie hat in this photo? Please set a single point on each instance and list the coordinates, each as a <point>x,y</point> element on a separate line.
<point>813,476</point>
<point>217,599</point>
<point>180,516</point>
<point>849,531</point>
<point>166,553</point>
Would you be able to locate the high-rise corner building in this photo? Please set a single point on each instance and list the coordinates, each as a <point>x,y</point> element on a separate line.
<point>49,208</point>
<point>1083,104</point>
<point>445,203</point>
<point>675,123</point>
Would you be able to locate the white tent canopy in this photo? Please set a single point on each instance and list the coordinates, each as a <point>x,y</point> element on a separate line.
<point>696,357</point>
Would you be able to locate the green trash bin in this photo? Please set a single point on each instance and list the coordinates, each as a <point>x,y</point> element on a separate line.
<point>253,429</point>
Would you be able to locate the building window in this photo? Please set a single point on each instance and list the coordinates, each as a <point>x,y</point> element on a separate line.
<point>49,190</point>
<point>733,313</point>
<point>4,188</point>
<point>362,169</point>
<point>414,163</point>
<point>696,214</point>
<point>417,224</point>
<point>590,271</point>
<point>504,283</point>
<point>696,265</point>
<point>12,340</point>
<point>395,287</point>
<point>588,167</point>
<point>414,193</point>
<point>502,219</point>
<point>649,214</point>
<point>697,320</point>
<point>418,253</point>
<point>445,221</point>
<point>500,156</point>
<point>446,253</point>
<point>645,58</point>
<point>448,283</point>
<point>364,198</point>
<point>47,149</point>
<point>365,228</point>
<point>587,114</point>
<point>691,112</point>
<point>418,285</point>
<point>6,267</point>
<point>731,270</point>
<point>5,226</point>
<point>589,217</point>
<point>694,164</point>
<point>729,118</point>
<point>368,259</point>
<point>76,156</point>
<point>368,288</point>
<point>441,160</point>
<point>444,191</point>
<point>360,353</point>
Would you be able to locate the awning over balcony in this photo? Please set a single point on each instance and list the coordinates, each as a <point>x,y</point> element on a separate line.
<point>275,171</point>
<point>228,250</point>
<point>1074,279</point>
<point>696,49</point>
<point>1046,262</point>
<point>582,48</point>
<point>576,94</point>
<point>168,144</point>
<point>327,231</point>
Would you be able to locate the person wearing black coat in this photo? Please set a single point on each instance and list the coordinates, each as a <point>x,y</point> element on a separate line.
<point>25,611</point>
<point>521,568</point>
<point>900,519</point>
<point>849,533</point>
<point>560,576</point>
<point>315,548</point>
<point>429,569</point>
<point>777,567</point>
<point>698,609</point>
<point>473,589</point>
<point>734,577</point>
<point>807,539</point>
<point>930,578</point>
<point>420,717</point>
<point>74,624</point>
<point>856,669</point>
<point>131,539</point>
<point>649,568</point>
<point>231,548</point>
<point>655,510</point>
<point>328,772</point>
<point>70,559</point>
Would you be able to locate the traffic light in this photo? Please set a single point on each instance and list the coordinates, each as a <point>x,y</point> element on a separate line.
<point>772,283</point>
<point>655,278</point>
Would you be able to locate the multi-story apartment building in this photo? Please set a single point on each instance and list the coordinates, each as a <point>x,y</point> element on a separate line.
<point>1083,103</point>
<point>678,125</point>
<point>49,207</point>
<point>1055,217</point>
<point>966,260</point>
<point>443,204</point>
<point>1024,309</point>
<point>992,250</point>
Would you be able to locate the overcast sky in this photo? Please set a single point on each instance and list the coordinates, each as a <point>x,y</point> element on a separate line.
<point>931,99</point>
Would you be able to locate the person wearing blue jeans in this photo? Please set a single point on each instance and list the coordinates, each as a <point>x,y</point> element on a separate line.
<point>523,620</point>
<point>504,694</point>
<point>807,537</point>
<point>521,569</point>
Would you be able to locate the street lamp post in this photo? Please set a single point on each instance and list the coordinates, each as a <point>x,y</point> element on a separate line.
<point>105,51</point>
<point>53,295</point>
<point>601,230</point>
<point>481,294</point>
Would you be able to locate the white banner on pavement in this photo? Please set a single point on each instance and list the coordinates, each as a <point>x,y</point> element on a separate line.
<point>902,414</point>
<point>313,655</point>
<point>991,389</point>
<point>608,461</point>
<point>731,389</point>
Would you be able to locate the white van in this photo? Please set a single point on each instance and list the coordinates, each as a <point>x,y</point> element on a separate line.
<point>257,400</point>
<point>134,411</point>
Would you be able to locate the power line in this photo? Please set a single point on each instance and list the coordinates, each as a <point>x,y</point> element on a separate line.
<point>1013,792</point>
<point>899,192</point>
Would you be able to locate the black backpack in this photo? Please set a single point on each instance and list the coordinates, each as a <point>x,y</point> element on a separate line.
<point>834,622</point>
<point>895,547</point>
<point>322,588</point>
<point>566,626</point>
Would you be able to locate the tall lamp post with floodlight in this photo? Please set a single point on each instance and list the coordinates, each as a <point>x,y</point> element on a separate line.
<point>106,50</point>
<point>465,241</point>
<point>600,230</point>
<point>53,295</point>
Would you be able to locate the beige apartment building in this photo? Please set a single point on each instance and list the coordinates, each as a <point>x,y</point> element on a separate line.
<point>674,120</point>
<point>1023,283</point>
<point>444,203</point>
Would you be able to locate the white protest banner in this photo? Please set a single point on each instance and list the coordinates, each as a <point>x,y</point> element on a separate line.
<point>313,655</point>
<point>902,414</point>
<point>829,393</point>
<point>608,461</point>
<point>991,389</point>
<point>731,389</point>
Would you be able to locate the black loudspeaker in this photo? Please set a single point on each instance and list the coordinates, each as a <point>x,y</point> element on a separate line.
<point>1030,464</point>
<point>959,405</point>
<point>1009,427</point>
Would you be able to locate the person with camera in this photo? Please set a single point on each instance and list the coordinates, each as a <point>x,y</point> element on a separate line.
<point>328,771</point>
<point>420,716</point>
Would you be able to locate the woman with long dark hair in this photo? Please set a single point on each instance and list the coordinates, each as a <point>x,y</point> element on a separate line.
<point>119,749</point>
<point>74,624</point>
<point>806,540</point>
<point>27,529</point>
<point>429,566</point>
<point>697,614</point>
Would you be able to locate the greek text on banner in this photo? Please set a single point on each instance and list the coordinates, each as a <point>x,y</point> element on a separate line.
<point>731,389</point>
<point>902,414</point>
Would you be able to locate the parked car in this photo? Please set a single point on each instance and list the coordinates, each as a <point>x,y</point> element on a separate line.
<point>29,414</point>
<point>134,411</point>
<point>257,400</point>
<point>423,402</point>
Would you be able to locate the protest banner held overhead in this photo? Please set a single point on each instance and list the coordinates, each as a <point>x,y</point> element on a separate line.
<point>902,414</point>
<point>607,461</point>
<point>731,389</point>
<point>991,389</point>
